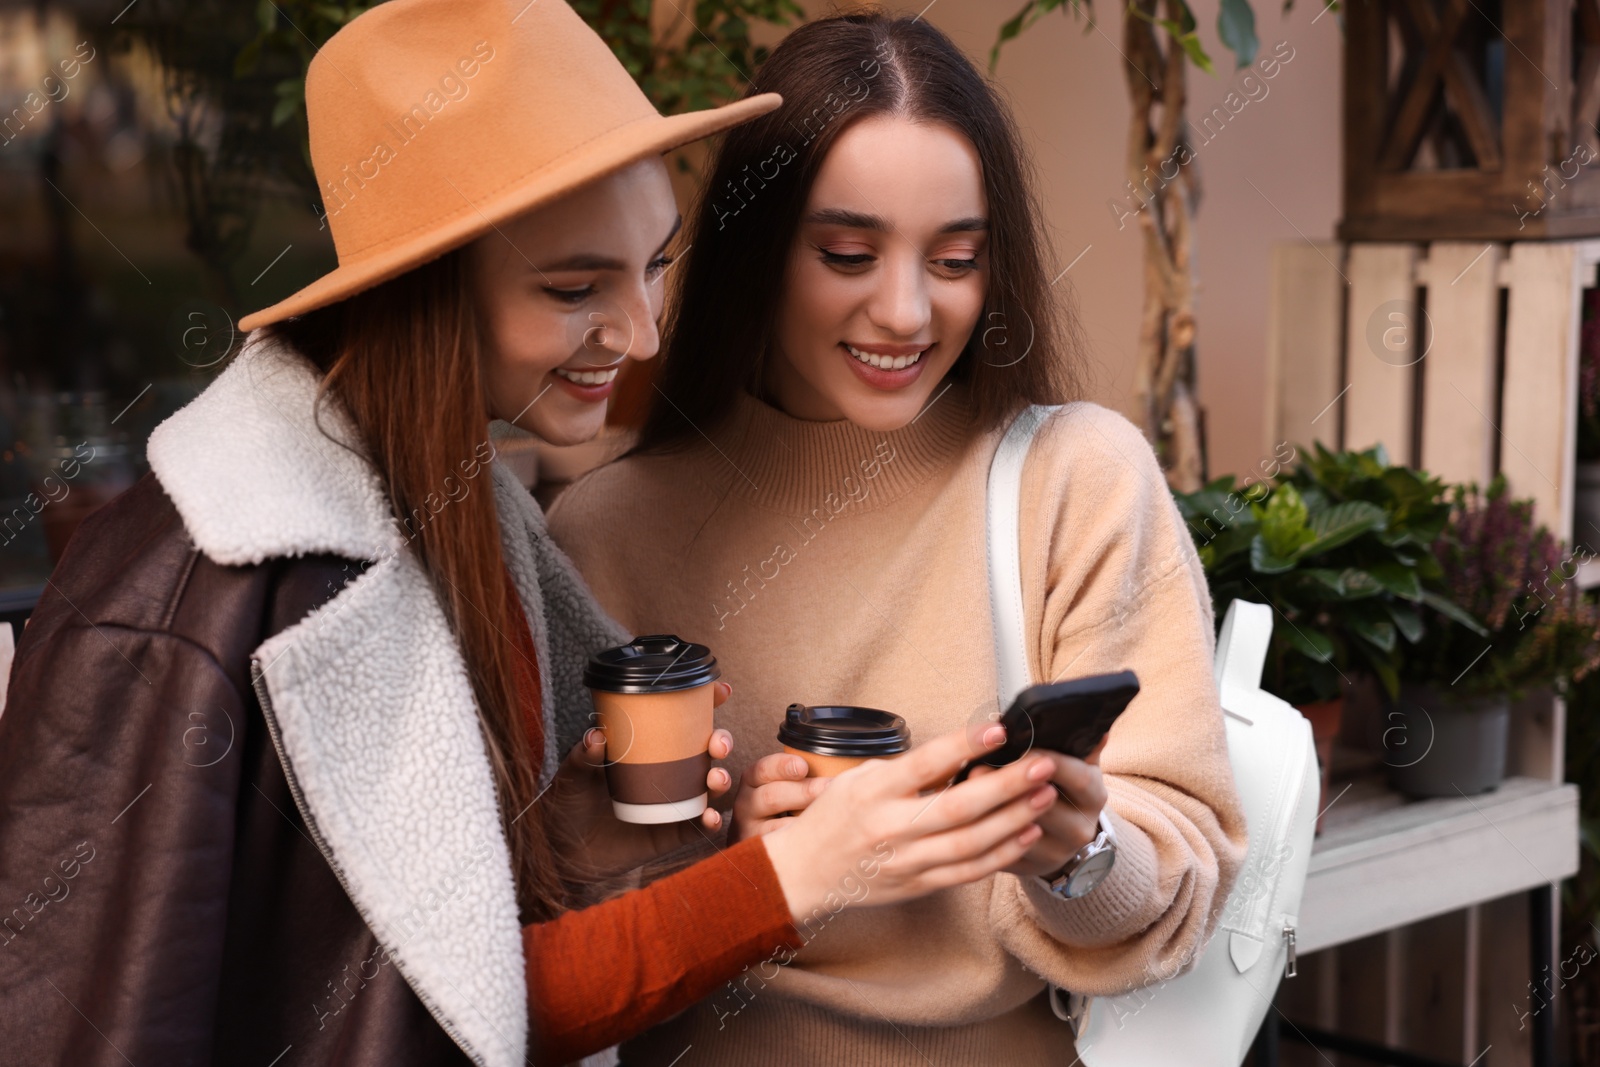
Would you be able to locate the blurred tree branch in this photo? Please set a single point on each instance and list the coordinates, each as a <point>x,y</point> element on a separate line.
<point>235,85</point>
<point>1159,41</point>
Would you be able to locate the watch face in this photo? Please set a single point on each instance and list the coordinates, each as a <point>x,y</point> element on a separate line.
<point>1090,872</point>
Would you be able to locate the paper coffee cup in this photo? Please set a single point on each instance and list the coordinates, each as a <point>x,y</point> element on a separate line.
<point>654,700</point>
<point>833,738</point>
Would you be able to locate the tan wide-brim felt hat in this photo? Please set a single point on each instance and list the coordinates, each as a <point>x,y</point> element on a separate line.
<point>434,121</point>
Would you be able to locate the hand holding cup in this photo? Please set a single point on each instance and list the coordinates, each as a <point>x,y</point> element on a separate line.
<point>873,822</point>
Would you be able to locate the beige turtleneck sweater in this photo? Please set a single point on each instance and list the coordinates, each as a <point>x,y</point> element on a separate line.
<point>827,564</point>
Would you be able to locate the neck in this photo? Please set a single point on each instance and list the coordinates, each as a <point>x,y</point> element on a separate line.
<point>795,464</point>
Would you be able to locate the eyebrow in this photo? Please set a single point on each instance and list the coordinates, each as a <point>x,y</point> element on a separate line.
<point>588,261</point>
<point>857,220</point>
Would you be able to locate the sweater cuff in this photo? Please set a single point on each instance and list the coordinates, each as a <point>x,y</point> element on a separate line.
<point>1112,911</point>
<point>744,879</point>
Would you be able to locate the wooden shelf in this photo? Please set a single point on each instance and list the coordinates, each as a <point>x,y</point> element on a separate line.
<point>1384,860</point>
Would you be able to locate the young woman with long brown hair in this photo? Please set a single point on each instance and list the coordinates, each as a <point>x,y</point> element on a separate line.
<point>278,773</point>
<point>867,305</point>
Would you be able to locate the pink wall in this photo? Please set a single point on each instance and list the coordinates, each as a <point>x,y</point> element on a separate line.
<point>1067,87</point>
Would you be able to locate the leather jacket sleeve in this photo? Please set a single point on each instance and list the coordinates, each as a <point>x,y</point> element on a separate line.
<point>117,844</point>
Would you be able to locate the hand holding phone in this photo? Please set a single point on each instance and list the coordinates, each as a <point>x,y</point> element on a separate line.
<point>1067,717</point>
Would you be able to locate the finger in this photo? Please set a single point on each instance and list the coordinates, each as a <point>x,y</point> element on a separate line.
<point>1094,754</point>
<point>778,767</point>
<point>972,799</point>
<point>585,755</point>
<point>720,693</point>
<point>998,858</point>
<point>721,744</point>
<point>711,819</point>
<point>777,797</point>
<point>968,842</point>
<point>593,746</point>
<point>1082,785</point>
<point>718,782</point>
<point>1065,831</point>
<point>937,761</point>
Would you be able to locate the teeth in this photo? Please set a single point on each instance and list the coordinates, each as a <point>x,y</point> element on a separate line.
<point>872,359</point>
<point>588,377</point>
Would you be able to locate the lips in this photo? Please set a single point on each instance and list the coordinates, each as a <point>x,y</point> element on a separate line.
<point>588,377</point>
<point>886,367</point>
<point>587,386</point>
<point>886,359</point>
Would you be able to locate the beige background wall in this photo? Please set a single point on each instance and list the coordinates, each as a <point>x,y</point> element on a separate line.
<point>1067,87</point>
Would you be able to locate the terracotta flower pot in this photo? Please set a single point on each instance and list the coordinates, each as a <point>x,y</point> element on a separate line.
<point>1325,717</point>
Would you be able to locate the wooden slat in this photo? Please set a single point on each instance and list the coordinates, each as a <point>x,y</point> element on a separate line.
<point>1380,862</point>
<point>1504,983</point>
<point>1381,343</point>
<point>1459,403</point>
<point>1471,1013</point>
<point>1432,964</point>
<point>1303,330</point>
<point>1541,376</point>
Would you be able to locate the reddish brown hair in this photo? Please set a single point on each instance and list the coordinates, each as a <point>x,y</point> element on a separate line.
<point>404,360</point>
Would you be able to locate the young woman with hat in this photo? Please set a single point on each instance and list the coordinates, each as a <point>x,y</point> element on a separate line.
<point>275,763</point>
<point>860,321</point>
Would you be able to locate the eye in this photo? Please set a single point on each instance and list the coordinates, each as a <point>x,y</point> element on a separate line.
<point>958,264</point>
<point>571,296</point>
<point>659,264</point>
<point>839,259</point>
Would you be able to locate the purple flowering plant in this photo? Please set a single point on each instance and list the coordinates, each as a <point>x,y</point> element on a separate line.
<point>1519,580</point>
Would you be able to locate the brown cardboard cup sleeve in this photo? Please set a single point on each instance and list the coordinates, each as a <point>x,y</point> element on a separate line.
<point>659,783</point>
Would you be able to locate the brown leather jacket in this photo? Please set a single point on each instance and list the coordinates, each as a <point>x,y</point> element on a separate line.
<point>246,814</point>
<point>164,901</point>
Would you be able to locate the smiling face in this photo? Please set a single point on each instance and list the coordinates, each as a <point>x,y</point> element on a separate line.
<point>886,278</point>
<point>566,293</point>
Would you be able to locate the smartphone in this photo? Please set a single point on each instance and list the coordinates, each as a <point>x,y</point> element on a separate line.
<point>1067,717</point>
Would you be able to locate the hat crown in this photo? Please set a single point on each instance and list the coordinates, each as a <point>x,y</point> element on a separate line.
<point>421,110</point>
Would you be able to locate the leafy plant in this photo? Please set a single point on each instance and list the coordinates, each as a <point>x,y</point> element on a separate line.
<point>235,78</point>
<point>1236,26</point>
<point>713,57</point>
<point>1340,547</point>
<point>1520,580</point>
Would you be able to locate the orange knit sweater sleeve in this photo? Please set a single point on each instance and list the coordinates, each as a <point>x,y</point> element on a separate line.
<point>605,973</point>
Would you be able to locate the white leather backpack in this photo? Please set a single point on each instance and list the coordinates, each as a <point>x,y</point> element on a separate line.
<point>1208,1016</point>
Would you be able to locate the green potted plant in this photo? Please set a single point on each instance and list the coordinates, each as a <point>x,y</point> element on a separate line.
<point>1448,730</point>
<point>1340,548</point>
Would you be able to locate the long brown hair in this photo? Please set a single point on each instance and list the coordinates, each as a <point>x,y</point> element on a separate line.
<point>403,359</point>
<point>718,334</point>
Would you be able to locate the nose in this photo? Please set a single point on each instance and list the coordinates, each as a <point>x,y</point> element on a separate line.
<point>899,305</point>
<point>624,328</point>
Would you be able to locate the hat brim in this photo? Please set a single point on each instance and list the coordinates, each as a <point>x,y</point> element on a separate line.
<point>604,155</point>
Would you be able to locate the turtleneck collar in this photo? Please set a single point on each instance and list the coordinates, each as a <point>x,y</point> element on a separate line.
<point>789,464</point>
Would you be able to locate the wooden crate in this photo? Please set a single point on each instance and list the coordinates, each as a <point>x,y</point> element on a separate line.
<point>1471,120</point>
<point>1461,358</point>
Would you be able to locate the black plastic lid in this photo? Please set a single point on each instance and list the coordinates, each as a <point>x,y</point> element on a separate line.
<point>839,730</point>
<point>654,664</point>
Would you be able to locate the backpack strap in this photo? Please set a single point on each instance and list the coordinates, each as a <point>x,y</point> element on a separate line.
<point>1004,532</point>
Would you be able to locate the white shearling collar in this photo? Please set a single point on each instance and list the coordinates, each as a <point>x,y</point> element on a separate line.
<point>253,474</point>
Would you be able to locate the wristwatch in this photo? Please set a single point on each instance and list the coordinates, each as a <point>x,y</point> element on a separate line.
<point>1088,866</point>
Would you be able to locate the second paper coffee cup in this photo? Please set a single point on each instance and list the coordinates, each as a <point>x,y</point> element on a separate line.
<point>654,700</point>
<point>834,738</point>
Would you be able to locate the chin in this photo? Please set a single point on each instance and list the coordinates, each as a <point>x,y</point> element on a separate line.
<point>881,414</point>
<point>574,429</point>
